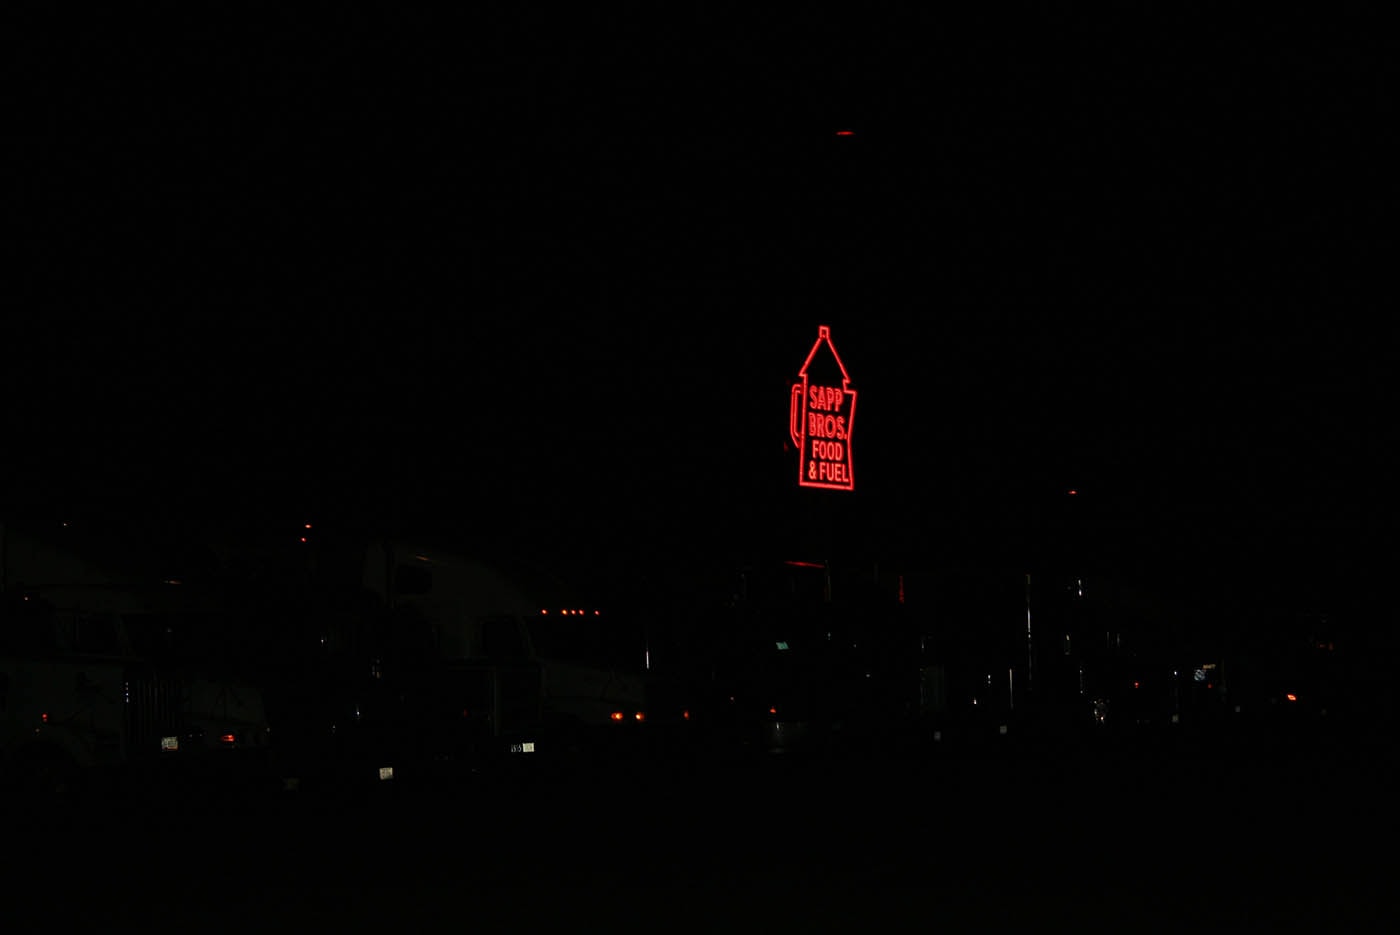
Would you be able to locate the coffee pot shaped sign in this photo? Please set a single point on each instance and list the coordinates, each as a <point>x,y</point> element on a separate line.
<point>821,417</point>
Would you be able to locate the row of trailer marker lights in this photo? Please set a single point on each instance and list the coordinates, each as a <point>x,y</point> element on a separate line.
<point>572,613</point>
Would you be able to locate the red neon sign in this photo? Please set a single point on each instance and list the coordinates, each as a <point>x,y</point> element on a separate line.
<point>822,413</point>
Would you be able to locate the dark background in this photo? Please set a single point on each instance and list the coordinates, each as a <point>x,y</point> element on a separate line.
<point>541,283</point>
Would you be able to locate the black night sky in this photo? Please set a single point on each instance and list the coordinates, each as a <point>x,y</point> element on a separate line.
<point>543,284</point>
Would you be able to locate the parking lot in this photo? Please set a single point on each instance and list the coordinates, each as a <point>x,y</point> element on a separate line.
<point>992,838</point>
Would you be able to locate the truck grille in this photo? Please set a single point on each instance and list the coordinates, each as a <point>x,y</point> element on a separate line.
<point>152,712</point>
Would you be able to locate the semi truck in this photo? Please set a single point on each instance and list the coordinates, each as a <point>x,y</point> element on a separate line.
<point>101,688</point>
<point>809,657</point>
<point>400,659</point>
<point>391,661</point>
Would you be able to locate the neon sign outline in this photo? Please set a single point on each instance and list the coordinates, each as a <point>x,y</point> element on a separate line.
<point>825,416</point>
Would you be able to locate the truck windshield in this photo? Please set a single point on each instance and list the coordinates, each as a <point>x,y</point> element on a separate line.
<point>594,640</point>
<point>184,637</point>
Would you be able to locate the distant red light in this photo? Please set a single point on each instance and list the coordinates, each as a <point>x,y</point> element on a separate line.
<point>1074,493</point>
<point>845,133</point>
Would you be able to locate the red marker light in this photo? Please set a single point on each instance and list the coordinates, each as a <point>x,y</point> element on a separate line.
<point>845,133</point>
